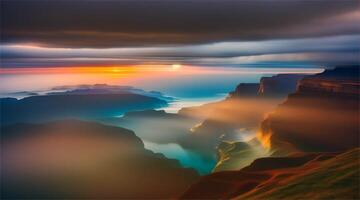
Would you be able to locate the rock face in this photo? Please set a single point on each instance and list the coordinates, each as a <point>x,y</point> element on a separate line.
<point>60,106</point>
<point>301,176</point>
<point>245,90</point>
<point>323,114</point>
<point>279,85</point>
<point>274,86</point>
<point>338,82</point>
<point>84,160</point>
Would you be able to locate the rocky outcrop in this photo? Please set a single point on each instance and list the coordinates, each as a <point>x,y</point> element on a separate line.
<point>300,176</point>
<point>84,160</point>
<point>322,115</point>
<point>337,82</point>
<point>274,86</point>
<point>279,85</point>
<point>245,90</point>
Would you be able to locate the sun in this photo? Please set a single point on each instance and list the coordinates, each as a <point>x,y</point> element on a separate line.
<point>115,70</point>
<point>176,66</point>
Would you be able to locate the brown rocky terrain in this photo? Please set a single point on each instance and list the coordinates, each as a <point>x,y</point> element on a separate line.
<point>322,115</point>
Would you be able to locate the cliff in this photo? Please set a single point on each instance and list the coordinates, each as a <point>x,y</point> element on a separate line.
<point>245,90</point>
<point>274,86</point>
<point>279,85</point>
<point>338,82</point>
<point>322,115</point>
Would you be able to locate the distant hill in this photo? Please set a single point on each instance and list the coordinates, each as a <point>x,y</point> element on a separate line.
<point>105,89</point>
<point>84,160</point>
<point>86,106</point>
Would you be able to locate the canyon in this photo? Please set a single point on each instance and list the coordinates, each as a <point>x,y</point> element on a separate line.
<point>313,141</point>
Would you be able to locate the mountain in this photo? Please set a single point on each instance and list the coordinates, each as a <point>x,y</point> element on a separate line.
<point>322,115</point>
<point>18,95</point>
<point>105,89</point>
<point>73,159</point>
<point>300,176</point>
<point>87,106</point>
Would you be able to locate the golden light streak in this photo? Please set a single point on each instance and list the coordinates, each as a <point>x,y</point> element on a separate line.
<point>264,138</point>
<point>153,69</point>
<point>117,69</point>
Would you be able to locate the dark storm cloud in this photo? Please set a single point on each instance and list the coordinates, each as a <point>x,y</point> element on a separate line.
<point>314,51</point>
<point>85,23</point>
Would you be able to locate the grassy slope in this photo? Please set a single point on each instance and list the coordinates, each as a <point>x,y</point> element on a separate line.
<point>336,178</point>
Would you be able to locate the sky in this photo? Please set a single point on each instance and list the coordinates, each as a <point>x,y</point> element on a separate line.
<point>201,33</point>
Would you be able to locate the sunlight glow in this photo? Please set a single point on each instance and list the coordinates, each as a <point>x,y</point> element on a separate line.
<point>264,138</point>
<point>154,69</point>
<point>115,70</point>
<point>176,66</point>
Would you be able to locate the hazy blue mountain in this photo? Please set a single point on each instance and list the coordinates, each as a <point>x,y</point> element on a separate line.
<point>85,106</point>
<point>105,89</point>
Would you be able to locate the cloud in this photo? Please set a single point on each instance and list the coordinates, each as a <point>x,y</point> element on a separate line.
<point>100,24</point>
<point>314,51</point>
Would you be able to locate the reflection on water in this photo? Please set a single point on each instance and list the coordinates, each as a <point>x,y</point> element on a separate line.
<point>186,158</point>
<point>179,103</point>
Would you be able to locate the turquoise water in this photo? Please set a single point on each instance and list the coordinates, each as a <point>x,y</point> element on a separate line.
<point>179,103</point>
<point>185,157</point>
